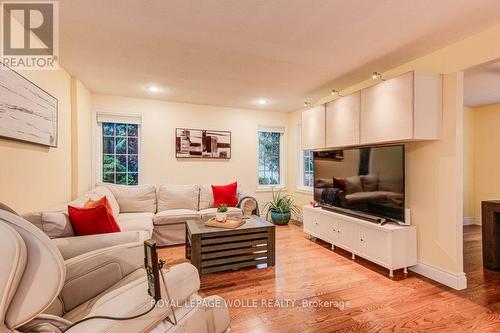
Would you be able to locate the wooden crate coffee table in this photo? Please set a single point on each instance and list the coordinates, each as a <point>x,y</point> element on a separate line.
<point>215,249</point>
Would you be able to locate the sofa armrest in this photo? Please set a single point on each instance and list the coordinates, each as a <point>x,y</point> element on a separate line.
<point>91,273</point>
<point>71,247</point>
<point>183,282</point>
<point>248,204</point>
<point>217,314</point>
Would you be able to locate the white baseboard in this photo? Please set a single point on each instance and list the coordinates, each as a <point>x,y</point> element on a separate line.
<point>452,280</point>
<point>471,221</point>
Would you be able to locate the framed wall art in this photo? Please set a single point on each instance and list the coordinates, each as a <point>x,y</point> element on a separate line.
<point>198,143</point>
<point>27,112</point>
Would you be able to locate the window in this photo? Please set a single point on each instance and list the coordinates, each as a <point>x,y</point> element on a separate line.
<point>271,156</point>
<point>308,168</point>
<point>120,153</point>
<point>305,166</point>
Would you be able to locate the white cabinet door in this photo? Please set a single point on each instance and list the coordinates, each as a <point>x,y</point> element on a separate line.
<point>313,128</point>
<point>328,228</point>
<point>311,222</point>
<point>348,235</point>
<point>374,244</point>
<point>387,111</point>
<point>342,121</point>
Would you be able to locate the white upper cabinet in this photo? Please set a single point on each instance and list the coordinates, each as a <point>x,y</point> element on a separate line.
<point>313,128</point>
<point>342,121</point>
<point>405,108</point>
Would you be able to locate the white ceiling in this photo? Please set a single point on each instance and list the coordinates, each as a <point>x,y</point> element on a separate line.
<point>482,85</point>
<point>233,52</point>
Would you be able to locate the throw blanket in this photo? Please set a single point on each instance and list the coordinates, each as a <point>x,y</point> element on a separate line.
<point>331,196</point>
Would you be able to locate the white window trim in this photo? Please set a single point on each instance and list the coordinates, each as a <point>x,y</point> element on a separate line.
<point>299,176</point>
<point>97,143</point>
<point>283,159</point>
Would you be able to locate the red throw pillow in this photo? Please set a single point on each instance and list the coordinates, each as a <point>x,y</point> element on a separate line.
<point>91,221</point>
<point>339,183</point>
<point>225,194</point>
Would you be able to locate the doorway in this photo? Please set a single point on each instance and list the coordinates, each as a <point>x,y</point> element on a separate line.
<point>481,144</point>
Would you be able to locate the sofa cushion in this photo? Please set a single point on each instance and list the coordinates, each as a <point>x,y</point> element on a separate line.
<point>362,197</point>
<point>173,216</point>
<point>134,199</point>
<point>7,209</point>
<point>97,193</point>
<point>210,212</point>
<point>57,224</point>
<point>353,185</point>
<point>206,197</point>
<point>54,224</point>
<point>178,197</point>
<point>369,182</point>
<point>100,191</point>
<point>34,218</point>
<point>392,195</point>
<point>136,221</point>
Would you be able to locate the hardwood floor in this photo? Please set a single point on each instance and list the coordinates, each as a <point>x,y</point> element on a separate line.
<point>308,271</point>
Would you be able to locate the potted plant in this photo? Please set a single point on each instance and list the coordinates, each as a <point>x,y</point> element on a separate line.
<point>281,208</point>
<point>221,213</point>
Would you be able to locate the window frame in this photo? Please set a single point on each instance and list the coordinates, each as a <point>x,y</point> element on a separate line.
<point>97,137</point>
<point>283,148</point>
<point>299,177</point>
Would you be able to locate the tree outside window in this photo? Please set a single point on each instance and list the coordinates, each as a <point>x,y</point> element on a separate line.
<point>120,148</point>
<point>269,158</point>
<point>308,165</point>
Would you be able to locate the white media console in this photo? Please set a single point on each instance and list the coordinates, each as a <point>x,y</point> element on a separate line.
<point>391,246</point>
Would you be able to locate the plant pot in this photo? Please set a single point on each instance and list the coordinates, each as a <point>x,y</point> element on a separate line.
<point>220,217</point>
<point>280,218</point>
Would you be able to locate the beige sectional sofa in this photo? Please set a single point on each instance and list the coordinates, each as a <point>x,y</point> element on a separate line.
<point>161,211</point>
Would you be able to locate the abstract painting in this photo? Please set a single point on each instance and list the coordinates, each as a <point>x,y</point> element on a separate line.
<point>196,143</point>
<point>27,112</point>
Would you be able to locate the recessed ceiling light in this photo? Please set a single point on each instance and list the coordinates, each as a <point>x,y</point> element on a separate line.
<point>153,89</point>
<point>262,101</point>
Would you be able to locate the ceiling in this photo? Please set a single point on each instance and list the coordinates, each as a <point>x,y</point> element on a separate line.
<point>482,85</point>
<point>235,52</point>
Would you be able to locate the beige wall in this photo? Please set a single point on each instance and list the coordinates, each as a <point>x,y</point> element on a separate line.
<point>301,198</point>
<point>469,165</point>
<point>81,132</point>
<point>159,120</point>
<point>33,176</point>
<point>483,142</point>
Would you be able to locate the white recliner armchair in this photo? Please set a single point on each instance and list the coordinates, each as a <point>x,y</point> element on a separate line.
<point>40,292</point>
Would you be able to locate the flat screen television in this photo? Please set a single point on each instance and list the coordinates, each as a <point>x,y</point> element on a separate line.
<point>368,181</point>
